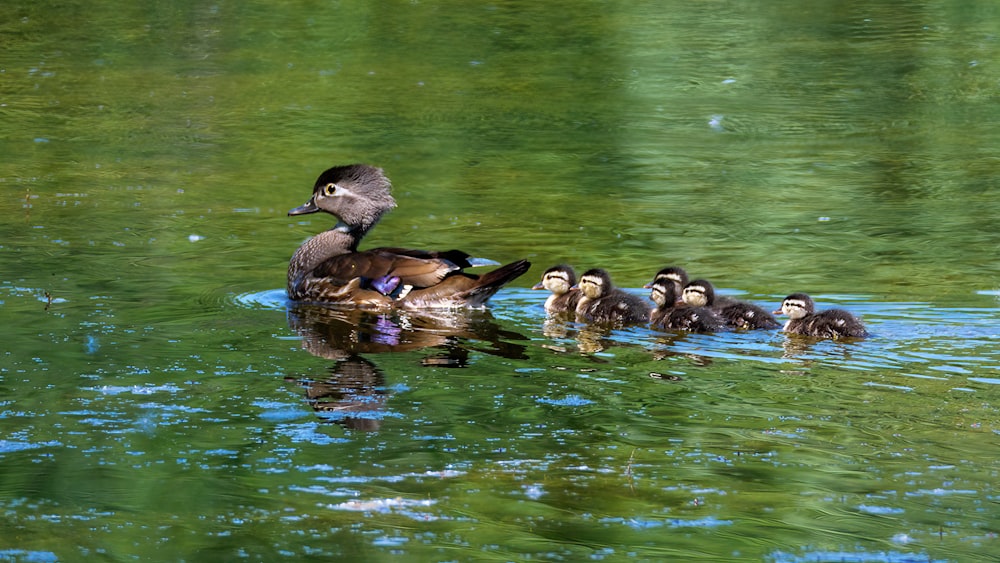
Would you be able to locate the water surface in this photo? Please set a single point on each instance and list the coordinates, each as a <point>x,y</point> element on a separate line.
<point>162,400</point>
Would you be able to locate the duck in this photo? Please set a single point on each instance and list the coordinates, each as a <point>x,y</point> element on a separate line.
<point>330,269</point>
<point>737,314</point>
<point>675,274</point>
<point>559,279</point>
<point>669,315</point>
<point>831,323</point>
<point>603,303</point>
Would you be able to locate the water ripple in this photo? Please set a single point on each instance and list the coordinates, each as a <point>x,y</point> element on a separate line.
<point>270,299</point>
<point>852,557</point>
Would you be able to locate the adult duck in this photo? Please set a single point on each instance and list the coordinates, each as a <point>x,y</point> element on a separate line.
<point>328,268</point>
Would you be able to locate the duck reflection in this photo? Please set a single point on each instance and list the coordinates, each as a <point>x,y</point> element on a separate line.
<point>667,344</point>
<point>352,391</point>
<point>352,395</point>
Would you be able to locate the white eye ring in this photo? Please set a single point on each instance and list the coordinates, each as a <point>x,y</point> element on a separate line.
<point>330,189</point>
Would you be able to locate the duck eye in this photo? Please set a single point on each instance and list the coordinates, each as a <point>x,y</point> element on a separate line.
<point>329,189</point>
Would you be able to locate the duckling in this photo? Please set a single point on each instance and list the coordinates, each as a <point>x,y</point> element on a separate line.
<point>684,317</point>
<point>675,274</point>
<point>737,314</point>
<point>328,268</point>
<point>602,303</point>
<point>560,280</point>
<point>831,323</point>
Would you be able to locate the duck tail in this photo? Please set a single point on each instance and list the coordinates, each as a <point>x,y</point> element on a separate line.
<point>489,283</point>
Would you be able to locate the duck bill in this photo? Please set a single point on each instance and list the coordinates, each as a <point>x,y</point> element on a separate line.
<point>778,312</point>
<point>538,286</point>
<point>304,209</point>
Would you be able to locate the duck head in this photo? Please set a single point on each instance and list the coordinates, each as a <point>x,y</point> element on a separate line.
<point>674,274</point>
<point>358,195</point>
<point>557,279</point>
<point>663,293</point>
<point>699,293</point>
<point>796,306</point>
<point>595,283</point>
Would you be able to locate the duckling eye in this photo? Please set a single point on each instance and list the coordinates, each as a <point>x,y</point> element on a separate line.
<point>329,189</point>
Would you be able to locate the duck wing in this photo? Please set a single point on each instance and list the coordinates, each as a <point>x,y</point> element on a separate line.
<point>414,268</point>
<point>461,289</point>
<point>456,257</point>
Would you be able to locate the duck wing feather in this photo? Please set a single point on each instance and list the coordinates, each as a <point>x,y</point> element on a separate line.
<point>414,268</point>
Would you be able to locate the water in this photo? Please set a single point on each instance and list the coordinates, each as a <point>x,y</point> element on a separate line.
<point>161,400</point>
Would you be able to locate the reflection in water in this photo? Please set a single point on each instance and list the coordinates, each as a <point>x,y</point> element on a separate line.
<point>353,392</point>
<point>804,348</point>
<point>590,339</point>
<point>353,395</point>
<point>672,340</point>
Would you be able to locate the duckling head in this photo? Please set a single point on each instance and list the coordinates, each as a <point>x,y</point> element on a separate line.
<point>663,293</point>
<point>557,279</point>
<point>796,306</point>
<point>595,283</point>
<point>358,195</point>
<point>675,274</point>
<point>699,293</point>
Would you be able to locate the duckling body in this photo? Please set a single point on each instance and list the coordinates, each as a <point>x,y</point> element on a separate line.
<point>831,323</point>
<point>328,268</point>
<point>669,315</point>
<point>602,303</point>
<point>560,280</point>
<point>737,314</point>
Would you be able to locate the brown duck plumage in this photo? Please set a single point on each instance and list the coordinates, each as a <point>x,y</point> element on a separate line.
<point>329,268</point>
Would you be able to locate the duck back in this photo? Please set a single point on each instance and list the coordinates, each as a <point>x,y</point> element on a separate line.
<point>690,319</point>
<point>562,303</point>
<point>747,316</point>
<point>616,308</point>
<point>831,323</point>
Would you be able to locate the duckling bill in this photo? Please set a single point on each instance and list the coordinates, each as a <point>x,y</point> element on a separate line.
<point>328,268</point>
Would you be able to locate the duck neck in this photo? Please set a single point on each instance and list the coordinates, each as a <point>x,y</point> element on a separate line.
<point>319,248</point>
<point>353,233</point>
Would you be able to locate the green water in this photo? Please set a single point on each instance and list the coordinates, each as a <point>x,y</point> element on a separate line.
<point>159,399</point>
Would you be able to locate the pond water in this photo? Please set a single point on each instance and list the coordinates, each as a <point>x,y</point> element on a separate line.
<point>162,400</point>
